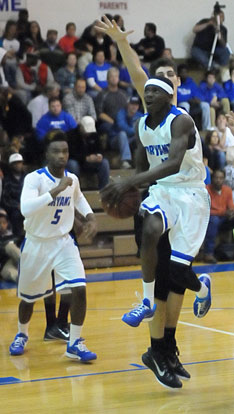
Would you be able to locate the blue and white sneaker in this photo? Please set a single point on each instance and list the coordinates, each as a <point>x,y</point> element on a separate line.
<point>202,305</point>
<point>18,345</point>
<point>142,312</point>
<point>79,351</point>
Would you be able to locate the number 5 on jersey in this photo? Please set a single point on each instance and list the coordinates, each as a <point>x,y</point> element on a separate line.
<point>57,216</point>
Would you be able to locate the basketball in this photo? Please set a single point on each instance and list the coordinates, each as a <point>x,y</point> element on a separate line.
<point>127,206</point>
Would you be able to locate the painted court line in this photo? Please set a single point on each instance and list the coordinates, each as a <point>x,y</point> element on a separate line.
<point>13,380</point>
<point>206,328</point>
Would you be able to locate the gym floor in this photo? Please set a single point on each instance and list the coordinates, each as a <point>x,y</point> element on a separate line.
<point>43,380</point>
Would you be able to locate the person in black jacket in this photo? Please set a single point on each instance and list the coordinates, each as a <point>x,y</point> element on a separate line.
<point>12,188</point>
<point>205,31</point>
<point>151,46</point>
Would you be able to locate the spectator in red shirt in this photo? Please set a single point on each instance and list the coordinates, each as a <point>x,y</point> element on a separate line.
<point>221,213</point>
<point>67,42</point>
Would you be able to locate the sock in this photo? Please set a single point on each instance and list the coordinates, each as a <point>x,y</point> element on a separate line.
<point>169,336</point>
<point>203,292</point>
<point>158,345</point>
<point>23,328</point>
<point>64,307</point>
<point>148,291</point>
<point>75,332</point>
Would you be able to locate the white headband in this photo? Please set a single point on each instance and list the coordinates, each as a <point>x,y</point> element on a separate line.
<point>161,84</point>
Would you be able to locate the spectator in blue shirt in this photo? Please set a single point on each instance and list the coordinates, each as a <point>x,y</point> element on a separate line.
<point>55,118</point>
<point>190,98</point>
<point>96,73</point>
<point>124,131</point>
<point>215,95</point>
<point>229,88</point>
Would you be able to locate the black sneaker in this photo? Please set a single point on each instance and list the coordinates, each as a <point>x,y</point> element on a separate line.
<point>158,363</point>
<point>56,332</point>
<point>176,365</point>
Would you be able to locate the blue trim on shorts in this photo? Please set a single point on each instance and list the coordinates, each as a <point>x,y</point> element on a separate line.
<point>182,255</point>
<point>44,171</point>
<point>73,239</point>
<point>36,296</point>
<point>157,207</point>
<point>71,282</point>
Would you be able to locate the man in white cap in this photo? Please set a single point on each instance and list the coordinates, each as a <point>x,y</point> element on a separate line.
<point>85,155</point>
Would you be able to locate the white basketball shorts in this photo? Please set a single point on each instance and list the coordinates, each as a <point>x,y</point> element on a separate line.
<point>185,211</point>
<point>39,257</point>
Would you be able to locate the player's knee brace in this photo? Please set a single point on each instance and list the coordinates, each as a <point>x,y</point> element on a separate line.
<point>184,276</point>
<point>162,283</point>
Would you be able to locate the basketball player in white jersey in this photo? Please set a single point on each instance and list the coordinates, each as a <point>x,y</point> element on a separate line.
<point>49,198</point>
<point>168,308</point>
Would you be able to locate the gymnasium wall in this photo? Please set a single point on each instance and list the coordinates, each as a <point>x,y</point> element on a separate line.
<point>174,18</point>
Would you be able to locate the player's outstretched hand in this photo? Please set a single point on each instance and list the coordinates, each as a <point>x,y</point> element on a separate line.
<point>112,29</point>
<point>64,183</point>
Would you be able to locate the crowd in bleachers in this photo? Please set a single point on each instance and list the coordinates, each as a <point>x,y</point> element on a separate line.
<point>79,84</point>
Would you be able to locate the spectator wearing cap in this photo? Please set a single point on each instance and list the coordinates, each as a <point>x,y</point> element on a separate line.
<point>12,188</point>
<point>31,77</point>
<point>84,150</point>
<point>51,53</point>
<point>78,103</point>
<point>123,133</point>
<point>9,250</point>
<point>39,105</point>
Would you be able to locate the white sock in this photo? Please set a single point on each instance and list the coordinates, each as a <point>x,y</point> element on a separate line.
<point>148,291</point>
<point>203,292</point>
<point>23,328</point>
<point>75,332</point>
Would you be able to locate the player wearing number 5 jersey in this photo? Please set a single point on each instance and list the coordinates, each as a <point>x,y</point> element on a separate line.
<point>49,198</point>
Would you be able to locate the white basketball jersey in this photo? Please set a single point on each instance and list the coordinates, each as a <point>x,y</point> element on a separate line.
<point>157,144</point>
<point>46,217</point>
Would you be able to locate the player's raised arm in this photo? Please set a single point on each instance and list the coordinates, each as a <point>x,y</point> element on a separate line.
<point>129,56</point>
